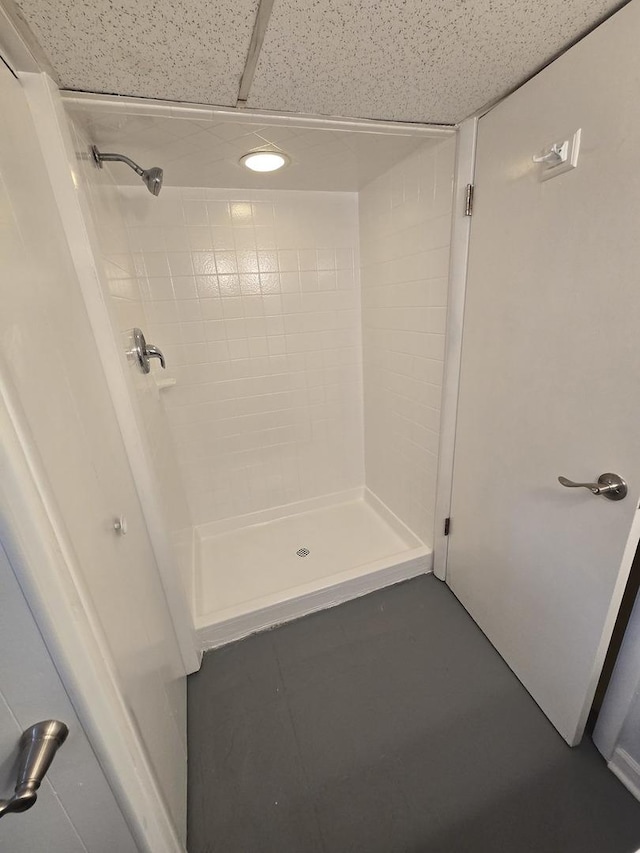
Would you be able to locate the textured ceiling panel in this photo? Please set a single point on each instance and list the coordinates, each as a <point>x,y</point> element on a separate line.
<point>205,153</point>
<point>409,60</point>
<point>189,50</point>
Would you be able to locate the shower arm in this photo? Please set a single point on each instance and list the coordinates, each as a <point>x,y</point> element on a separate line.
<point>99,156</point>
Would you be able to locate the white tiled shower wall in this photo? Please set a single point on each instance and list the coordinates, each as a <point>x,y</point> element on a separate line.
<point>122,290</point>
<point>254,298</point>
<point>405,224</point>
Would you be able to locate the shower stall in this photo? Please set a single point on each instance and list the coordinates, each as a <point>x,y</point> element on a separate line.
<point>292,440</point>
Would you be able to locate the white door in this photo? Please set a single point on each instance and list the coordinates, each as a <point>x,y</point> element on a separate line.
<point>550,381</point>
<point>75,811</point>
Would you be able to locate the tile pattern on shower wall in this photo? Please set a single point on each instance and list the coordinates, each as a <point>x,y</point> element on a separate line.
<point>405,223</point>
<point>254,298</point>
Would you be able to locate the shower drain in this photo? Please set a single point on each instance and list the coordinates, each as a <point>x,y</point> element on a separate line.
<point>303,552</point>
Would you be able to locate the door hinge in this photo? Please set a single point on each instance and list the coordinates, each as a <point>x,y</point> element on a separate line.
<point>447,526</point>
<point>468,200</point>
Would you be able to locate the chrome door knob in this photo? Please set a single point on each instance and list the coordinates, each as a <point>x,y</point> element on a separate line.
<point>610,486</point>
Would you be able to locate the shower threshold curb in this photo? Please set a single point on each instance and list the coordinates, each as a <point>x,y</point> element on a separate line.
<point>228,628</point>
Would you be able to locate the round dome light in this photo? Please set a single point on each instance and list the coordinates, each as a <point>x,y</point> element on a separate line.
<point>264,161</point>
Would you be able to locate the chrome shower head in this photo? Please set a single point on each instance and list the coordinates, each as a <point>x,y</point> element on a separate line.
<point>152,178</point>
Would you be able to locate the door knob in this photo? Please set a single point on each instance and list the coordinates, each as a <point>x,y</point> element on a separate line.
<point>38,746</point>
<point>144,351</point>
<point>610,486</point>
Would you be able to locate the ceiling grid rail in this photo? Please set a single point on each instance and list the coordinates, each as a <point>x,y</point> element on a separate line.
<point>253,54</point>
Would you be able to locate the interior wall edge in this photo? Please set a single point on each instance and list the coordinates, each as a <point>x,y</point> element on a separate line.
<point>397,524</point>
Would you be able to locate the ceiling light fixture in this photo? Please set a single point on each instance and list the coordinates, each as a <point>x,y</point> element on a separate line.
<point>264,161</point>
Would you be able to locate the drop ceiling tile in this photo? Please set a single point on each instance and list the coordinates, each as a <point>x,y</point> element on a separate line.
<point>182,50</point>
<point>410,60</point>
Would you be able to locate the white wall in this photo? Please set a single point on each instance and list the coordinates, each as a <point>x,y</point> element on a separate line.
<point>405,225</point>
<point>253,296</point>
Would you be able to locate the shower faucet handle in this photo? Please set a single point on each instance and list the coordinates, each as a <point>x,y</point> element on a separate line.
<point>143,351</point>
<point>152,351</point>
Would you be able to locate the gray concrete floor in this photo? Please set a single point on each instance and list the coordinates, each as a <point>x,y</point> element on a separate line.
<point>388,725</point>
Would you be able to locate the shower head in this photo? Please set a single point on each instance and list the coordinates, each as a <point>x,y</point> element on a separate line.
<point>152,178</point>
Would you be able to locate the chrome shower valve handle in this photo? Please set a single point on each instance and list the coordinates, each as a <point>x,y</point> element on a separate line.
<point>143,351</point>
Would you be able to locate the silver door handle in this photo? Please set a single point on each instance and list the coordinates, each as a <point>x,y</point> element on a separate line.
<point>144,351</point>
<point>38,746</point>
<point>610,486</point>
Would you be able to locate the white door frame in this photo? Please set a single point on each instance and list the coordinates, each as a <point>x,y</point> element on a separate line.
<point>43,560</point>
<point>458,263</point>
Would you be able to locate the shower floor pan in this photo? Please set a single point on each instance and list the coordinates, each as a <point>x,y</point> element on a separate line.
<point>269,567</point>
